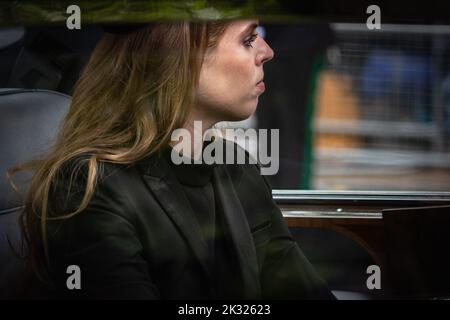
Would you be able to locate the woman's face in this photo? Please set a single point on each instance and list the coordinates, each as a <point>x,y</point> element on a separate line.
<point>231,75</point>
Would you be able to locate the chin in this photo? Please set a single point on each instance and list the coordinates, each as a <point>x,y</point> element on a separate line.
<point>245,112</point>
<point>232,113</point>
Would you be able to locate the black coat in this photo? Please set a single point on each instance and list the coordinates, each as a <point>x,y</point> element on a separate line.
<point>139,239</point>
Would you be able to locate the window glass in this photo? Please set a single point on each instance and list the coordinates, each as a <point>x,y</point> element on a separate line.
<point>358,109</point>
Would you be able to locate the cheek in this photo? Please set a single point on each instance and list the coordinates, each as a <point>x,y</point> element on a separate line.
<point>229,78</point>
<point>237,74</point>
<point>225,86</point>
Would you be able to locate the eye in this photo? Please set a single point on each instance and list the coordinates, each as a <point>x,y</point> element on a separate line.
<point>248,42</point>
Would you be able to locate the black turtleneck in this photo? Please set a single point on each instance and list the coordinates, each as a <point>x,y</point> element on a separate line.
<point>196,180</point>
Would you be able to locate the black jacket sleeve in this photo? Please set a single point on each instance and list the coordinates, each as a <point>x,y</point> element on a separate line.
<point>286,272</point>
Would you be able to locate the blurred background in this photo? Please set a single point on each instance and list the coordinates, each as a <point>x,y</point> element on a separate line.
<point>360,109</point>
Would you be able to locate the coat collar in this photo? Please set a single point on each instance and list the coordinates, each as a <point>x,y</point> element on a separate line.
<point>169,193</point>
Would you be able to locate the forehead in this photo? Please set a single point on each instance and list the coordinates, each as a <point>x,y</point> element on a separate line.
<point>238,27</point>
<point>230,38</point>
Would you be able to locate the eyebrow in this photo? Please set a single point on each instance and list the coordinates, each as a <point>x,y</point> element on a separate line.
<point>250,28</point>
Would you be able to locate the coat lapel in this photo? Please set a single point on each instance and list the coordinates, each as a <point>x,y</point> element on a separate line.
<point>170,195</point>
<point>239,232</point>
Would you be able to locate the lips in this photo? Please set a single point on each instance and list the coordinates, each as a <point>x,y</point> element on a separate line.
<point>261,78</point>
<point>261,86</point>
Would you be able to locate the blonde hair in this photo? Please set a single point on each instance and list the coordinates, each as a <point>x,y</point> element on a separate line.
<point>134,91</point>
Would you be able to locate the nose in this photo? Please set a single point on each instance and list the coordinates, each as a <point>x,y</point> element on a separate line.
<point>266,53</point>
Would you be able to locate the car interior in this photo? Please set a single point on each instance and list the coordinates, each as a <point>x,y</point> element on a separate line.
<point>344,227</point>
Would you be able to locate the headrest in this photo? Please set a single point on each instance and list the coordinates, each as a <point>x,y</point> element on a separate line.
<point>29,123</point>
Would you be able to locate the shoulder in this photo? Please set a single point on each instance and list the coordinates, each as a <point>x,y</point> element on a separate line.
<point>110,187</point>
<point>79,167</point>
<point>247,175</point>
<point>243,159</point>
<point>253,191</point>
<point>107,215</point>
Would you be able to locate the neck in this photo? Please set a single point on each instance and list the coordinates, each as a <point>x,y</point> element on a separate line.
<point>196,127</point>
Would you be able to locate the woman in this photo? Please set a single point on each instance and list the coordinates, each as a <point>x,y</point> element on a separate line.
<point>108,213</point>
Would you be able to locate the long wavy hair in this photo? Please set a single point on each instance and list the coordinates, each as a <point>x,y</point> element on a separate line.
<point>134,91</point>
